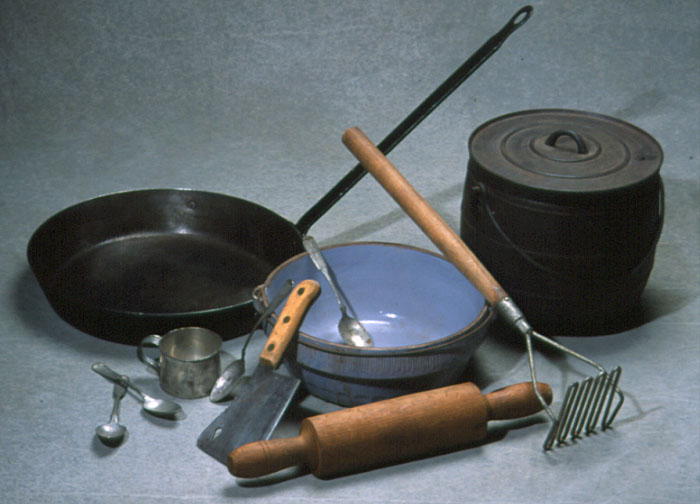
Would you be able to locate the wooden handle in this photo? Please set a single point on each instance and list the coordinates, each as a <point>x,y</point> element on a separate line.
<point>289,321</point>
<point>516,401</point>
<point>257,459</point>
<point>390,431</point>
<point>439,232</point>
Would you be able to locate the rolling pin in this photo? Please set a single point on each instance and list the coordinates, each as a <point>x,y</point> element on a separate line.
<point>389,431</point>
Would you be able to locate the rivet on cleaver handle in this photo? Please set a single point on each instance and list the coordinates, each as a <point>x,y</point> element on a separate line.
<point>263,400</point>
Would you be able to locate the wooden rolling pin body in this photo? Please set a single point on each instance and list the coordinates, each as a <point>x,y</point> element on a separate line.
<point>389,431</point>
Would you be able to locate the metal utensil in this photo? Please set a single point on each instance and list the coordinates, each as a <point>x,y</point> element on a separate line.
<point>257,410</point>
<point>232,376</point>
<point>188,363</point>
<point>585,403</point>
<point>112,433</point>
<point>228,380</point>
<point>350,328</point>
<point>162,408</point>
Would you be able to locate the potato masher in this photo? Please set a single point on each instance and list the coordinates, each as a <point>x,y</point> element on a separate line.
<point>585,402</point>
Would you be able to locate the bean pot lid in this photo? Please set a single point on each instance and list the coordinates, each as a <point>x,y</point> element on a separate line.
<point>565,151</point>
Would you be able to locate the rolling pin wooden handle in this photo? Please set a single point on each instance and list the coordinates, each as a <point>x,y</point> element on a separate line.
<point>516,401</point>
<point>389,431</point>
<point>440,233</point>
<point>289,321</point>
<point>257,459</point>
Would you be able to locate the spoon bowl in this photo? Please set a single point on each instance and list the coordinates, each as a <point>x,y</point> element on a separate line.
<point>112,433</point>
<point>350,328</point>
<point>162,408</point>
<point>225,383</point>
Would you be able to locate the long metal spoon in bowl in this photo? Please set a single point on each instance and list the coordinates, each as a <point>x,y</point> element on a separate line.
<point>112,433</point>
<point>351,329</point>
<point>162,408</point>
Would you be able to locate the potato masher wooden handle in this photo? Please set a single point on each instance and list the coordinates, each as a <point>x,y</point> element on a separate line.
<point>434,226</point>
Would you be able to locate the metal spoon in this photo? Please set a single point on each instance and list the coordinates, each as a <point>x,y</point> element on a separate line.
<point>162,408</point>
<point>232,376</point>
<point>112,433</point>
<point>351,329</point>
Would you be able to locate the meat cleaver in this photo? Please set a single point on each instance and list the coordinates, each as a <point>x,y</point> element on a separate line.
<point>262,401</point>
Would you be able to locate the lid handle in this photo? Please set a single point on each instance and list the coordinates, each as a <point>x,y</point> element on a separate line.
<point>580,145</point>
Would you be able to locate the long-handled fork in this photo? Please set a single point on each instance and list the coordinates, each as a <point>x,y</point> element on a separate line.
<point>585,402</point>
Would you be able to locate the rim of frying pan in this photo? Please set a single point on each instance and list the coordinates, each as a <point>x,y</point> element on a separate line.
<point>44,275</point>
<point>484,317</point>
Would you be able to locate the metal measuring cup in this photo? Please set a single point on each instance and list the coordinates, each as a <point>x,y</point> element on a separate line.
<point>189,361</point>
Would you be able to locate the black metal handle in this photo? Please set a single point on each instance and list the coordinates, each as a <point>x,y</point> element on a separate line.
<point>580,144</point>
<point>414,118</point>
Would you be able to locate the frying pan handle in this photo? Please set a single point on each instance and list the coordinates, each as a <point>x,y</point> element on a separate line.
<point>151,341</point>
<point>416,116</point>
<point>424,215</point>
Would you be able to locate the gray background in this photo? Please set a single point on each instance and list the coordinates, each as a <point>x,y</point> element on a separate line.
<point>250,99</point>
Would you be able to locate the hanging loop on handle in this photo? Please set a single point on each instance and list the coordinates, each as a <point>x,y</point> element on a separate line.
<point>519,18</point>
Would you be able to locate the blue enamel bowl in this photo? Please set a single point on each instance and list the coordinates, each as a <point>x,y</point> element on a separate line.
<point>425,317</point>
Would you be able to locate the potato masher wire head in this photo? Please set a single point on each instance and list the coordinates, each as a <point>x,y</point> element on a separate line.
<point>585,402</point>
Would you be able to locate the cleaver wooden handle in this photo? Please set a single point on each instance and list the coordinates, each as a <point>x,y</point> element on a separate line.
<point>289,322</point>
<point>441,234</point>
<point>389,431</point>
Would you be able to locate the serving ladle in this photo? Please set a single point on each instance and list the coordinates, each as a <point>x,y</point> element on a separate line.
<point>351,330</point>
<point>112,433</point>
<point>162,408</point>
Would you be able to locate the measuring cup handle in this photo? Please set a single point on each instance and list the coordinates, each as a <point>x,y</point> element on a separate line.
<point>151,341</point>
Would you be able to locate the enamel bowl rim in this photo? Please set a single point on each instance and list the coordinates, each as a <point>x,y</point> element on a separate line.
<point>483,318</point>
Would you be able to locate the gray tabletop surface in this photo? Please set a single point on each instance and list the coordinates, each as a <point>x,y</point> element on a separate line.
<point>250,99</point>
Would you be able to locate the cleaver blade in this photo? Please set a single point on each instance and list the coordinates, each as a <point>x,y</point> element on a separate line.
<point>262,401</point>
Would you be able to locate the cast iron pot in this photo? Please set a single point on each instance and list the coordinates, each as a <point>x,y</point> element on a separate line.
<point>425,317</point>
<point>566,207</point>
